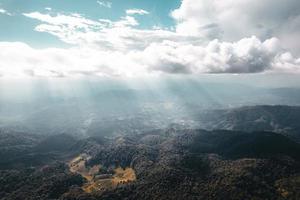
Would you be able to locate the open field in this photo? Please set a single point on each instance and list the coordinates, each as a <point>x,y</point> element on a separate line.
<point>102,182</point>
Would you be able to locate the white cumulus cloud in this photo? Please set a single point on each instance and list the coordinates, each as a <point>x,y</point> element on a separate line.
<point>232,20</point>
<point>249,55</point>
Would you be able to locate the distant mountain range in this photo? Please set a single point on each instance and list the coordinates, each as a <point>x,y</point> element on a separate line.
<point>280,119</point>
<point>94,110</point>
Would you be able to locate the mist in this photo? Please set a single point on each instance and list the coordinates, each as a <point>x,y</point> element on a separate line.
<point>110,106</point>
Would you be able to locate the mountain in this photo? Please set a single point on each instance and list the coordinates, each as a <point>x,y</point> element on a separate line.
<point>95,109</point>
<point>22,150</point>
<point>280,119</point>
<point>159,164</point>
<point>235,144</point>
<point>199,164</point>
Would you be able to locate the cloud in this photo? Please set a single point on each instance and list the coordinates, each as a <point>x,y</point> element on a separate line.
<point>19,59</point>
<point>105,4</point>
<point>68,28</point>
<point>137,11</point>
<point>249,55</point>
<point>105,34</point>
<point>5,12</point>
<point>233,20</point>
<point>122,49</point>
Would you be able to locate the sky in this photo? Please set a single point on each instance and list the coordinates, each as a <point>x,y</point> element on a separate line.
<point>137,38</point>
